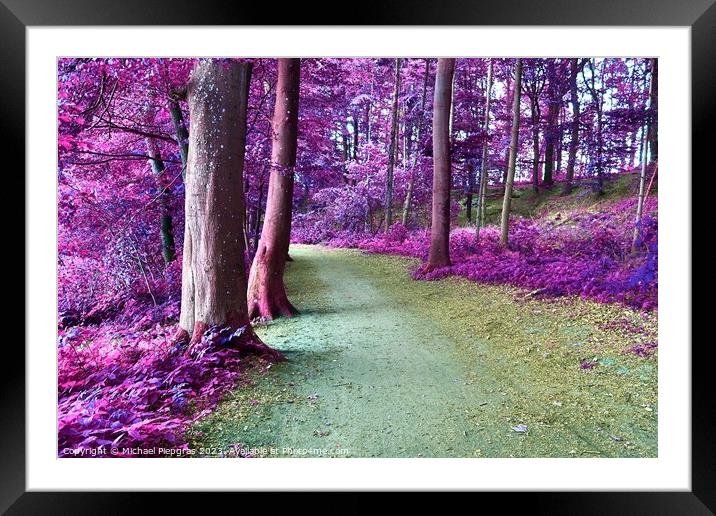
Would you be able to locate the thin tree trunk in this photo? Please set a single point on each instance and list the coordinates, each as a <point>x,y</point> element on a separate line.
<point>182,135</point>
<point>642,154</point>
<point>651,182</point>
<point>165,217</point>
<point>644,162</point>
<point>267,293</point>
<point>597,98</point>
<point>505,222</point>
<point>257,219</point>
<point>408,142</point>
<point>574,139</point>
<point>468,196</point>
<point>560,143</point>
<point>600,144</point>
<point>550,129</point>
<point>416,156</point>
<point>392,151</point>
<point>508,101</point>
<point>355,137</point>
<point>368,124</point>
<point>213,276</point>
<point>640,200</point>
<point>482,192</point>
<point>536,115</point>
<point>405,130</point>
<point>653,108</point>
<point>633,149</point>
<point>439,255</point>
<point>247,215</point>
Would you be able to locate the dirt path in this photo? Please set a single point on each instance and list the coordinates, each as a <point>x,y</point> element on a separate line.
<point>378,367</point>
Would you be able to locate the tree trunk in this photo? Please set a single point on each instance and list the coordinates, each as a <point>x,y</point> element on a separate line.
<point>416,156</point>
<point>633,147</point>
<point>267,293</point>
<point>355,137</point>
<point>482,192</point>
<point>392,151</point>
<point>642,175</point>
<point>551,128</point>
<point>452,107</point>
<point>182,135</point>
<point>508,101</point>
<point>213,276</point>
<point>367,126</point>
<point>468,196</point>
<point>256,231</point>
<point>505,222</point>
<point>164,199</point>
<point>536,115</point>
<point>598,99</point>
<point>560,142</point>
<point>653,108</point>
<point>574,139</point>
<point>439,255</point>
<point>600,150</point>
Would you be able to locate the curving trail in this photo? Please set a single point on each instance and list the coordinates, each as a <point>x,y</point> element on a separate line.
<point>380,365</point>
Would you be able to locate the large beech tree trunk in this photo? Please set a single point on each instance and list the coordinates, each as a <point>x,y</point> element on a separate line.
<point>439,255</point>
<point>574,139</point>
<point>267,293</point>
<point>505,223</point>
<point>213,276</point>
<point>392,151</point>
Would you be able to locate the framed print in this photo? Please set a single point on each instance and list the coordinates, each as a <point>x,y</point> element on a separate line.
<point>417,253</point>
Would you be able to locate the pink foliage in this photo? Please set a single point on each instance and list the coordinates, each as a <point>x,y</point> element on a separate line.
<point>584,253</point>
<point>126,384</point>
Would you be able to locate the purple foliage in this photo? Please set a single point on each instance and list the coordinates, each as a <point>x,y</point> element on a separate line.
<point>131,386</point>
<point>644,350</point>
<point>584,253</point>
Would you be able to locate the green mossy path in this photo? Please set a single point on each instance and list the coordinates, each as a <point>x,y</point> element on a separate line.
<point>380,365</point>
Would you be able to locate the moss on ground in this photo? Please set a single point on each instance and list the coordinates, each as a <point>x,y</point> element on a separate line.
<point>381,365</point>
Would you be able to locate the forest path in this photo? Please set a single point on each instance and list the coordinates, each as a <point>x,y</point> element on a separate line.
<point>380,365</point>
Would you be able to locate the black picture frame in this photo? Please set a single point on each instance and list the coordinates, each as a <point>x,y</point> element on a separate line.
<point>16,15</point>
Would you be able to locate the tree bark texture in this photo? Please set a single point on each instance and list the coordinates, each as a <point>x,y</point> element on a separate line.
<point>574,139</point>
<point>213,274</point>
<point>439,255</point>
<point>482,192</point>
<point>411,181</point>
<point>266,291</point>
<point>644,162</point>
<point>166,226</point>
<point>392,151</point>
<point>505,222</point>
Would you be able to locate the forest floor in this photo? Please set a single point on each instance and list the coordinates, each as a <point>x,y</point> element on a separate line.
<point>381,365</point>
